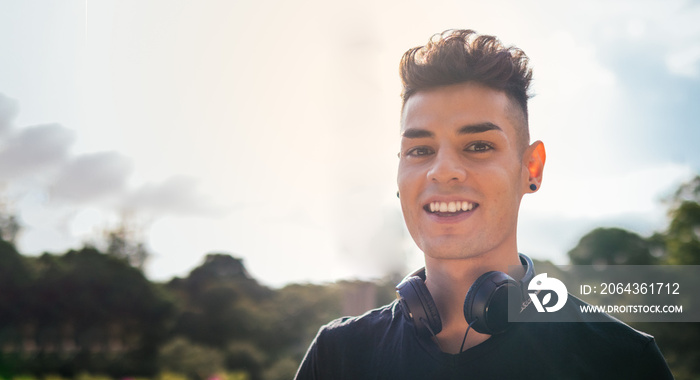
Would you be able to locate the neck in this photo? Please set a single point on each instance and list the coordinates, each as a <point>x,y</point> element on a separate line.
<point>448,282</point>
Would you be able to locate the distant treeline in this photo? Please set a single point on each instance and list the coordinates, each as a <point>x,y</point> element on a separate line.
<point>90,312</point>
<point>87,314</point>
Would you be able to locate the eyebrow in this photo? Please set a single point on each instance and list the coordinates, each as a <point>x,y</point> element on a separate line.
<point>416,133</point>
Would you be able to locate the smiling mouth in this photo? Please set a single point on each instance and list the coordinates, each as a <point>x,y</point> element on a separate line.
<point>450,208</point>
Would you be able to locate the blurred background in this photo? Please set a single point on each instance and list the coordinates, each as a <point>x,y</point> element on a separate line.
<point>213,180</point>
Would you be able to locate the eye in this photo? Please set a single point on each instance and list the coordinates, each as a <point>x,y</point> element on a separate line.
<point>419,151</point>
<point>479,146</point>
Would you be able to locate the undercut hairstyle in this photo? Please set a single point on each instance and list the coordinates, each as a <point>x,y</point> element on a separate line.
<point>461,56</point>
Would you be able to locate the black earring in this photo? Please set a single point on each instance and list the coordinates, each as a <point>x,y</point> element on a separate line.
<point>533,187</point>
<point>397,194</point>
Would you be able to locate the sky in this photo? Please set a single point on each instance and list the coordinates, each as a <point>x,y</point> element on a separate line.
<point>269,129</point>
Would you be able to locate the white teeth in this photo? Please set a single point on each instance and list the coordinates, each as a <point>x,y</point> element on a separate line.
<point>453,206</point>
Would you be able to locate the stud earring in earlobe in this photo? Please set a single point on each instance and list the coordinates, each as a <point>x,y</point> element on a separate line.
<point>533,187</point>
<point>397,195</point>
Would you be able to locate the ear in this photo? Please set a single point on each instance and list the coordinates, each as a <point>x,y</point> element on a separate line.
<point>535,156</point>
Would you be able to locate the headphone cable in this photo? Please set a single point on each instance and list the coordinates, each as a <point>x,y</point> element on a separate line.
<point>465,335</point>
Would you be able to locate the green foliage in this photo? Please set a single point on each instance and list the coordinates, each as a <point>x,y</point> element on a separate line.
<point>679,244</point>
<point>687,192</point>
<point>611,246</point>
<point>53,376</point>
<point>299,310</point>
<point>78,280</point>
<point>683,234</point>
<point>682,238</point>
<point>236,375</point>
<point>246,358</point>
<point>88,376</point>
<point>9,225</point>
<point>122,243</point>
<point>81,311</point>
<point>283,369</point>
<point>167,375</point>
<point>89,313</point>
<point>220,303</point>
<point>24,377</point>
<point>14,283</point>
<point>195,361</point>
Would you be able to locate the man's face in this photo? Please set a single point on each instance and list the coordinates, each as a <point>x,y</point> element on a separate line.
<point>461,173</point>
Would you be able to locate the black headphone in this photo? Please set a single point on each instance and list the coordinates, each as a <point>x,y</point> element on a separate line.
<point>485,306</point>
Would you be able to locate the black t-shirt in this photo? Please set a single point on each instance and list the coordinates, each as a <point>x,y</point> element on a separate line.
<point>383,344</point>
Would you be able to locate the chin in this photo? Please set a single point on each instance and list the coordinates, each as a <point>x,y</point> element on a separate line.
<point>450,249</point>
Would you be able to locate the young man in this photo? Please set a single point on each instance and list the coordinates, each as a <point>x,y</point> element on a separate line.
<point>465,164</point>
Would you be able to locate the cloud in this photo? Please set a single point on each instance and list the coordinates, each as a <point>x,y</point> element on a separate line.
<point>175,195</point>
<point>685,62</point>
<point>91,177</point>
<point>41,153</point>
<point>33,149</point>
<point>9,108</point>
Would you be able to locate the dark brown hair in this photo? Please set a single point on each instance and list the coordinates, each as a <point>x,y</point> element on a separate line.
<point>459,56</point>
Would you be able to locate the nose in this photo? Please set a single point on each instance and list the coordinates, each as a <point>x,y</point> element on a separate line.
<point>447,167</point>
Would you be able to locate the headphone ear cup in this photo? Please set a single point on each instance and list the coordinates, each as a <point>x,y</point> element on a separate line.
<point>486,303</point>
<point>419,305</point>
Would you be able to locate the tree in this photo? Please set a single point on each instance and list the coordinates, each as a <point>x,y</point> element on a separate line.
<point>246,357</point>
<point>15,281</point>
<point>93,312</point>
<point>611,246</point>
<point>299,310</point>
<point>682,238</point>
<point>9,228</point>
<point>220,303</point>
<point>122,242</point>
<point>9,225</point>
<point>195,361</point>
<point>680,245</point>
